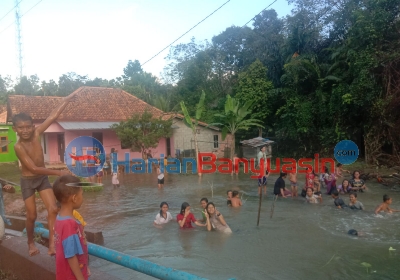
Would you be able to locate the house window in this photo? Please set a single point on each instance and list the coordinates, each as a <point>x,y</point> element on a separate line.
<point>4,149</point>
<point>125,146</point>
<point>215,141</point>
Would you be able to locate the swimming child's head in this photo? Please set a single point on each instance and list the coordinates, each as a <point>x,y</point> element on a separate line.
<point>23,125</point>
<point>183,207</point>
<point>235,193</point>
<point>68,194</point>
<point>352,232</point>
<point>345,183</point>
<point>309,191</point>
<point>356,174</point>
<point>210,208</point>
<point>163,208</point>
<point>339,165</point>
<point>204,202</point>
<point>353,197</point>
<point>387,199</point>
<point>335,194</point>
<point>229,193</point>
<point>283,175</point>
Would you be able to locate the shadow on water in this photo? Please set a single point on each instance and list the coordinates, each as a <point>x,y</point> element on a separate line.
<point>301,241</point>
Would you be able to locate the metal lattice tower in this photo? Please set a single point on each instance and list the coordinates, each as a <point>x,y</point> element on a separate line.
<point>18,36</point>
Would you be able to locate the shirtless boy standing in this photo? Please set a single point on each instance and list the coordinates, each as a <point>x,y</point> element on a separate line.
<point>293,183</point>
<point>385,205</point>
<point>34,174</point>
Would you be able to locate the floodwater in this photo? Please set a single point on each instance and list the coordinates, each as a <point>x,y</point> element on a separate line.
<point>301,241</point>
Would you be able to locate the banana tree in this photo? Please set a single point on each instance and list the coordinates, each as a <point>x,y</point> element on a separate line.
<point>235,118</point>
<point>192,123</point>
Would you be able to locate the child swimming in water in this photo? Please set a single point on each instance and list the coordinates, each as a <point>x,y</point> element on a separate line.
<point>339,170</point>
<point>354,204</point>
<point>164,216</point>
<point>236,202</point>
<point>311,197</point>
<point>339,203</point>
<point>385,205</point>
<point>228,199</point>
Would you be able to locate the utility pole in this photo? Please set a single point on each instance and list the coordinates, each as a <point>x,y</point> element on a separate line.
<point>18,36</point>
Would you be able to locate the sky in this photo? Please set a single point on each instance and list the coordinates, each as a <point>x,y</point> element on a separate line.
<point>97,38</point>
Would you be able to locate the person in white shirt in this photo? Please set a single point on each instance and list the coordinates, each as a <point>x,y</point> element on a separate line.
<point>160,176</point>
<point>261,155</point>
<point>164,216</point>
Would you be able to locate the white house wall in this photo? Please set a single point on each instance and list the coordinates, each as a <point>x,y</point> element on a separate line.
<point>183,136</point>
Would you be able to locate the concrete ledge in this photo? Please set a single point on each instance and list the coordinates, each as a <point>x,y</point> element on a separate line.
<point>15,258</point>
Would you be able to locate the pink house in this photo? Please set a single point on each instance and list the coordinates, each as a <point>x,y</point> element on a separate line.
<point>92,114</point>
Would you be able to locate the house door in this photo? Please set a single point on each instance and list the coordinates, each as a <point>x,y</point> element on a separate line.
<point>61,146</point>
<point>168,147</point>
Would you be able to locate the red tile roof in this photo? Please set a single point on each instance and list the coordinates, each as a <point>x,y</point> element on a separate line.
<point>91,104</point>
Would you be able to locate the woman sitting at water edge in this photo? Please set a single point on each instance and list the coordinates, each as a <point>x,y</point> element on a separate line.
<point>164,216</point>
<point>215,219</point>
<point>185,218</point>
<point>357,184</point>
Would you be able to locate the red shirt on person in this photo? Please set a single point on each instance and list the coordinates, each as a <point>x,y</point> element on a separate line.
<point>189,220</point>
<point>70,241</point>
<point>310,180</point>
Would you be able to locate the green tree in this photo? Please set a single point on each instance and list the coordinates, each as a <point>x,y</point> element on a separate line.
<point>27,86</point>
<point>253,85</point>
<point>193,123</point>
<point>236,117</point>
<point>142,132</point>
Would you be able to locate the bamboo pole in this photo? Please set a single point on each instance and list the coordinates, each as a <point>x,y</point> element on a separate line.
<point>259,207</point>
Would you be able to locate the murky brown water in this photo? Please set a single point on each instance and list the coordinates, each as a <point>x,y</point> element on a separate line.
<point>301,241</point>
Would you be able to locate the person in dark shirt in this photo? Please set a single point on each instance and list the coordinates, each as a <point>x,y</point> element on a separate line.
<point>339,203</point>
<point>279,187</point>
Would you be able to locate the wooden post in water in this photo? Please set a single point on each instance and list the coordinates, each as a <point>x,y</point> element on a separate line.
<point>259,207</point>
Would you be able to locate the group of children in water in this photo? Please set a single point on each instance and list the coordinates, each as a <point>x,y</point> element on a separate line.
<point>211,217</point>
<point>312,189</point>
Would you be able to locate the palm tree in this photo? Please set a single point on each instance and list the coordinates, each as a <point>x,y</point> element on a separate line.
<point>234,119</point>
<point>192,123</point>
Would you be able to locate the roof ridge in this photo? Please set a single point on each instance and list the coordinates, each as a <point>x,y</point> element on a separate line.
<point>131,95</point>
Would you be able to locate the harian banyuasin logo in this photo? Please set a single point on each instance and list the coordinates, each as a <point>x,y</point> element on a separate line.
<point>208,163</point>
<point>85,156</point>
